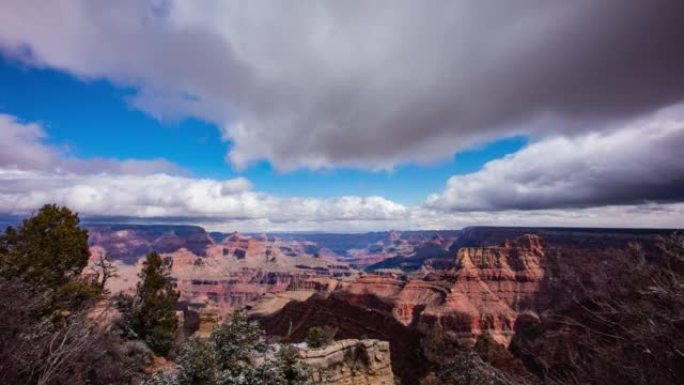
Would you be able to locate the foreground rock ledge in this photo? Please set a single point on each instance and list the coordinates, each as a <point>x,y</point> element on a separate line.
<point>347,362</point>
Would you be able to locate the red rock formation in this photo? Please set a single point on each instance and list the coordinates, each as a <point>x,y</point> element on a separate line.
<point>372,291</point>
<point>229,275</point>
<point>416,296</point>
<point>128,243</point>
<point>486,291</point>
<point>489,287</point>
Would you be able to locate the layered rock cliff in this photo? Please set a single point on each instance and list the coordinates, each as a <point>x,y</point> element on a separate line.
<point>485,291</point>
<point>350,362</point>
<point>127,243</point>
<point>489,288</point>
<point>229,275</point>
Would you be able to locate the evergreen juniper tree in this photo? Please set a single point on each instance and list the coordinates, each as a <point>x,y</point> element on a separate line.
<point>47,249</point>
<point>153,315</point>
<point>48,252</point>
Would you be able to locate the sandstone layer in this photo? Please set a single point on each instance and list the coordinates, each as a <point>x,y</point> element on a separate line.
<point>485,291</point>
<point>232,274</point>
<point>489,288</point>
<point>350,362</point>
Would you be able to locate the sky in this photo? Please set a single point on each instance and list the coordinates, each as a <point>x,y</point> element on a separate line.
<point>345,116</point>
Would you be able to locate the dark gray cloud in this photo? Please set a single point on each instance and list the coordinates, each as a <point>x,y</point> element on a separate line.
<point>139,192</point>
<point>637,164</point>
<point>368,84</point>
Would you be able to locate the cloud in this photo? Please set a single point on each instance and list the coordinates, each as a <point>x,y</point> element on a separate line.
<point>22,147</point>
<point>642,162</point>
<point>669,215</point>
<point>232,205</point>
<point>366,85</point>
<point>33,173</point>
<point>160,195</point>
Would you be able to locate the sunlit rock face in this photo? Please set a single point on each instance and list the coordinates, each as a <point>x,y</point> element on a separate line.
<point>489,288</point>
<point>227,275</point>
<point>468,282</point>
<point>485,291</point>
<point>346,362</point>
<point>241,269</point>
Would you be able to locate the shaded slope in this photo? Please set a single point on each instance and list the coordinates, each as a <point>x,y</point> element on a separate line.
<point>352,321</point>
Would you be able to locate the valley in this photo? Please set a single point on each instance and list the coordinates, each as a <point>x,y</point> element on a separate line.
<point>401,287</point>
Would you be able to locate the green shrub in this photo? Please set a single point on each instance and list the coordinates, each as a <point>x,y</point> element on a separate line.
<point>197,362</point>
<point>228,358</point>
<point>319,337</point>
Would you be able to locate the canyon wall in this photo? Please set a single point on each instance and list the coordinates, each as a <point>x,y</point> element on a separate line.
<point>489,287</point>
<point>462,282</point>
<point>232,274</point>
<point>485,291</point>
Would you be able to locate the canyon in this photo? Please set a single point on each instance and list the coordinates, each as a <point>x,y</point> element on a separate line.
<point>232,271</point>
<point>227,275</point>
<point>400,287</point>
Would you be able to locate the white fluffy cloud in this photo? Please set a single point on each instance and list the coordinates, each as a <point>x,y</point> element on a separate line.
<point>32,174</point>
<point>642,162</point>
<point>164,196</point>
<point>230,205</point>
<point>20,145</point>
<point>22,148</point>
<point>363,84</point>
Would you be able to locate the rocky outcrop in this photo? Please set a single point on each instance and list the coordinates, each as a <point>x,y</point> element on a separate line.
<point>372,291</point>
<point>351,322</point>
<point>127,243</point>
<point>489,288</point>
<point>209,319</point>
<point>347,362</point>
<point>226,284</point>
<point>415,297</point>
<point>485,291</point>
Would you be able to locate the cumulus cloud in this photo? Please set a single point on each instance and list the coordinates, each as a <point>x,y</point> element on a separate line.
<point>231,204</point>
<point>22,147</point>
<point>642,162</point>
<point>118,191</point>
<point>369,85</point>
<point>162,195</point>
<point>363,84</point>
<point>33,173</point>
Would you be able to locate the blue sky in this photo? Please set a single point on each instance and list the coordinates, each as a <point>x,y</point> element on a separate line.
<point>272,116</point>
<point>94,118</point>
